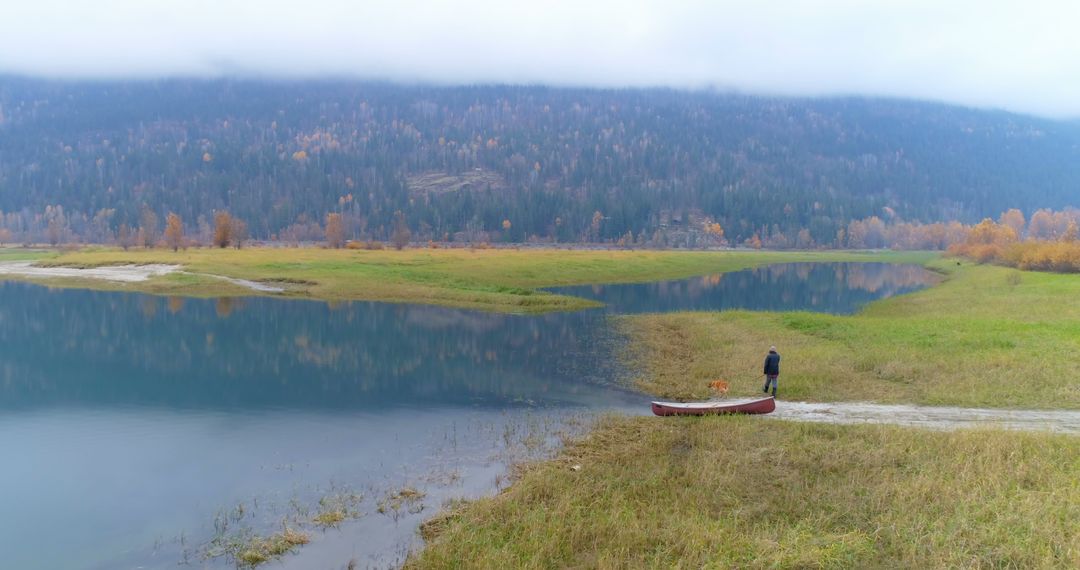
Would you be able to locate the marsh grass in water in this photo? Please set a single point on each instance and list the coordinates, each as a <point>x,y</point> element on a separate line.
<point>742,492</point>
<point>336,508</point>
<point>258,549</point>
<point>985,337</point>
<point>408,498</point>
<point>252,532</point>
<point>243,536</point>
<point>247,549</point>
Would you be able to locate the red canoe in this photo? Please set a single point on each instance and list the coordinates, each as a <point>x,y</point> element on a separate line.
<point>756,406</point>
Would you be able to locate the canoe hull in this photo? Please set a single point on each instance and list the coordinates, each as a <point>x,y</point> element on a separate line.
<point>758,406</point>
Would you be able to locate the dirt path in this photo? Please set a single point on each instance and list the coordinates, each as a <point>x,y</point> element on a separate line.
<point>253,285</point>
<point>931,417</point>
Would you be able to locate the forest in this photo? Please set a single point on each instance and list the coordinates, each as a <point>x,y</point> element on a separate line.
<point>93,161</point>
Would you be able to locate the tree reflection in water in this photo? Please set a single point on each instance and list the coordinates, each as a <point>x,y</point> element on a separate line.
<point>105,348</point>
<point>839,288</point>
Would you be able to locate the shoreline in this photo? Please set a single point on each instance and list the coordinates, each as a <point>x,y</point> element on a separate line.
<point>608,457</point>
<point>496,280</point>
<point>651,491</point>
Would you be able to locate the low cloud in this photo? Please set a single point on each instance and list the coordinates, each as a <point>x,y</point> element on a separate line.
<point>1018,56</point>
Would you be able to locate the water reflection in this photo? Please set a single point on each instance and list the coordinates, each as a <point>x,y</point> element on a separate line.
<point>839,288</point>
<point>127,419</point>
<point>87,348</point>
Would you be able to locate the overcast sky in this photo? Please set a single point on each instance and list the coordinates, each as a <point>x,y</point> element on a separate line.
<point>1018,55</point>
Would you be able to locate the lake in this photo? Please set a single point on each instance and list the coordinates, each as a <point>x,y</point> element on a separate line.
<point>138,428</point>
<point>837,288</point>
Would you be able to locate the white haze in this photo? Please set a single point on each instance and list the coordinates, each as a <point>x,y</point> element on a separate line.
<point>1022,55</point>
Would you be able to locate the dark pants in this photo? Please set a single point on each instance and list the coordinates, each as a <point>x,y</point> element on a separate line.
<point>771,379</point>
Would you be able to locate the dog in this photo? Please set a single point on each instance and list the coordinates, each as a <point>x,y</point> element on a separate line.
<point>719,386</point>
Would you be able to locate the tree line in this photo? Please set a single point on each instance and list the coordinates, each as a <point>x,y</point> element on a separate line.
<point>1049,241</point>
<point>988,240</point>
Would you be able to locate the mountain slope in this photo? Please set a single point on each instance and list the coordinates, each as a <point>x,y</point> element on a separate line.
<point>465,159</point>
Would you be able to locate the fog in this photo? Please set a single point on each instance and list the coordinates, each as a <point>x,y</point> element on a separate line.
<point>1012,55</point>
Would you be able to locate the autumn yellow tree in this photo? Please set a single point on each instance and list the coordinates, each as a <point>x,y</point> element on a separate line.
<point>222,229</point>
<point>987,232</point>
<point>803,239</point>
<point>1072,232</point>
<point>335,231</point>
<point>1014,219</point>
<point>174,231</point>
<point>715,231</point>
<point>986,241</point>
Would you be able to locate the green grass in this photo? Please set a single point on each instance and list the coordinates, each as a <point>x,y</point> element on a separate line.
<point>22,254</point>
<point>987,336</point>
<point>744,492</point>
<point>747,492</point>
<point>498,280</point>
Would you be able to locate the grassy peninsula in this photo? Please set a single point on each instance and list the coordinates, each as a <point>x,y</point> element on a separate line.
<point>748,492</point>
<point>985,337</point>
<point>504,280</point>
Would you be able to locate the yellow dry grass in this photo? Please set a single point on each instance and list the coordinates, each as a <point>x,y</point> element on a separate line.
<point>744,492</point>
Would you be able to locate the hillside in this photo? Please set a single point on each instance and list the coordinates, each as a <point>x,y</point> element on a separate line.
<point>508,163</point>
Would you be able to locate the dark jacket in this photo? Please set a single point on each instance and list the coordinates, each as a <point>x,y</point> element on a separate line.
<point>772,364</point>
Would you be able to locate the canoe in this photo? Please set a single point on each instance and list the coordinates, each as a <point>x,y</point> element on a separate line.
<point>755,406</point>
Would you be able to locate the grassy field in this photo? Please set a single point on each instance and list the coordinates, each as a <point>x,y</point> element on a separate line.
<point>752,493</point>
<point>987,337</point>
<point>20,254</point>
<point>747,492</point>
<point>501,280</point>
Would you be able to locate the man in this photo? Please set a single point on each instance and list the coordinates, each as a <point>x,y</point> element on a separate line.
<point>772,370</point>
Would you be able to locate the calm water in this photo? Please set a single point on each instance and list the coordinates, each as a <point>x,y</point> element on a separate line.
<point>838,288</point>
<point>131,425</point>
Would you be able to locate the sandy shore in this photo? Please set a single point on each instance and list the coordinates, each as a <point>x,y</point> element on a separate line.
<point>119,273</point>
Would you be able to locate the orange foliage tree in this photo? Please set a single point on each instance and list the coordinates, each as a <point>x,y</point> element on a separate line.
<point>715,231</point>
<point>1014,219</point>
<point>174,231</point>
<point>335,231</point>
<point>223,227</point>
<point>986,241</point>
